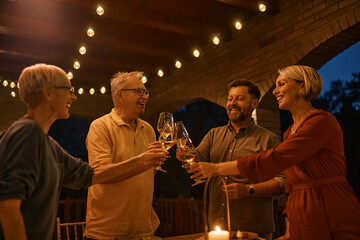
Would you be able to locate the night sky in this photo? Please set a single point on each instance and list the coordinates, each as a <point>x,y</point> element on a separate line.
<point>341,66</point>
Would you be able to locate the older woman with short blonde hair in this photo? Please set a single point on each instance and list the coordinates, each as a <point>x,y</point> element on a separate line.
<point>34,78</point>
<point>321,203</point>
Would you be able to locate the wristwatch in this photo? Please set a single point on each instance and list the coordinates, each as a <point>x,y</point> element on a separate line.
<point>251,191</point>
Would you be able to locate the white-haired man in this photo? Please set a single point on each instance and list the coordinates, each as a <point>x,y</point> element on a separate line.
<point>124,209</point>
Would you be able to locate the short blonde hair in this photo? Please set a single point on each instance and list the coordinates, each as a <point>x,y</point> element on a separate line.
<point>34,78</point>
<point>308,75</point>
<point>119,81</point>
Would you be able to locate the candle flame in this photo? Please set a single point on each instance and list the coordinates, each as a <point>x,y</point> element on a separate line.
<point>217,229</point>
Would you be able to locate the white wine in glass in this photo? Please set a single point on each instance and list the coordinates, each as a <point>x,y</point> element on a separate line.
<point>186,158</point>
<point>166,145</point>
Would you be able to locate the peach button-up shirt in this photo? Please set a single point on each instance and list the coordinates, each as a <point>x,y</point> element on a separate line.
<point>122,208</point>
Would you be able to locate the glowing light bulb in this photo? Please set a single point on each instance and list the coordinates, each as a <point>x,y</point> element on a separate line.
<point>13,94</point>
<point>76,65</point>
<point>81,91</point>
<point>238,25</point>
<point>262,7</point>
<point>92,91</point>
<point>70,75</point>
<point>5,83</point>
<point>100,11</point>
<point>160,73</point>
<point>196,53</point>
<point>178,64</point>
<point>103,90</point>
<point>143,79</point>
<point>90,32</point>
<point>216,40</point>
<point>12,84</point>
<point>18,85</point>
<point>82,50</point>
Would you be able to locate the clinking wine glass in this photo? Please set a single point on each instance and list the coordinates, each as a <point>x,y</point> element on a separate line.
<point>185,151</point>
<point>165,127</point>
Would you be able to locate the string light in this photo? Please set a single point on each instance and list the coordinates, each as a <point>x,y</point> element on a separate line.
<point>13,94</point>
<point>12,84</point>
<point>90,32</point>
<point>100,10</point>
<point>81,91</point>
<point>18,85</point>
<point>178,64</point>
<point>160,73</point>
<point>92,91</point>
<point>238,25</point>
<point>103,90</point>
<point>70,75</point>
<point>143,79</point>
<point>262,7</point>
<point>196,53</point>
<point>82,50</point>
<point>5,83</point>
<point>76,65</point>
<point>216,40</point>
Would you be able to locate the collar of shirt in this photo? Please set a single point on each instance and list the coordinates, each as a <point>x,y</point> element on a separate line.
<point>244,130</point>
<point>120,122</point>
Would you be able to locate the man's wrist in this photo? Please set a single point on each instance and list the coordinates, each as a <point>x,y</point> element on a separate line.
<point>251,190</point>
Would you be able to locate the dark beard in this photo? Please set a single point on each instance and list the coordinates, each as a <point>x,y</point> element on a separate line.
<point>240,117</point>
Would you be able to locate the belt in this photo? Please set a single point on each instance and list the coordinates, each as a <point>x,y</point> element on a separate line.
<point>318,182</point>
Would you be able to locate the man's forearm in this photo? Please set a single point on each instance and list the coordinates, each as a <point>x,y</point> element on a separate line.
<point>116,172</point>
<point>11,220</point>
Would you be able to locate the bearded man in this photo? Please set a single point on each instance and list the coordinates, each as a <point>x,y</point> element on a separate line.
<point>251,207</point>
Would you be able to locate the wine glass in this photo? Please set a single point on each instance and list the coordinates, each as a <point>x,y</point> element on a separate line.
<point>165,127</point>
<point>185,151</point>
<point>165,118</point>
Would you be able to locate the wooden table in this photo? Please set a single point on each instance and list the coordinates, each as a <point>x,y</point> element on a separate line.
<point>185,237</point>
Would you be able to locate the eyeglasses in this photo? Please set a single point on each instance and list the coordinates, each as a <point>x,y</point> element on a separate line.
<point>71,88</point>
<point>139,91</point>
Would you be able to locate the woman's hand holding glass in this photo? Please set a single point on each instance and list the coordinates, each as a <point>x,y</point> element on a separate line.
<point>203,170</point>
